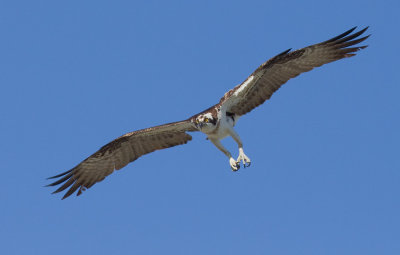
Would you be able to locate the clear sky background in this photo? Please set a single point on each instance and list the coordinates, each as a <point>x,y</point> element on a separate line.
<point>325,174</point>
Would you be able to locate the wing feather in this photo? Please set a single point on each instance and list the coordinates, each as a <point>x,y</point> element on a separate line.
<point>271,75</point>
<point>120,152</point>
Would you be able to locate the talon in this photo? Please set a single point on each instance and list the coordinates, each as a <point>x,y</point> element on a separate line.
<point>234,165</point>
<point>244,159</point>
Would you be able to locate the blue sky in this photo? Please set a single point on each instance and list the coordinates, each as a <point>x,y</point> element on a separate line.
<point>325,168</point>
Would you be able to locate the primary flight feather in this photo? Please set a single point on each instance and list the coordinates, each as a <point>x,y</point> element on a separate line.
<point>216,122</point>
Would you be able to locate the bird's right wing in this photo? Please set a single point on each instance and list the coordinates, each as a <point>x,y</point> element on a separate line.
<point>118,153</point>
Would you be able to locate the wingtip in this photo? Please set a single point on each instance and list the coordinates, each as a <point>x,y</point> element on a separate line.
<point>284,52</point>
<point>364,29</point>
<point>346,34</point>
<point>59,175</point>
<point>352,29</point>
<point>65,196</point>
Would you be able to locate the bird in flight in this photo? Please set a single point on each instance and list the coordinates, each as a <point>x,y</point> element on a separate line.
<point>216,122</point>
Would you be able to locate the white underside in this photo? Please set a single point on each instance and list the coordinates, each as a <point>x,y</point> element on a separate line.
<point>225,129</point>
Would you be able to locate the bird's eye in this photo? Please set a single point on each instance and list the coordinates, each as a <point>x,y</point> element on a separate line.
<point>206,120</point>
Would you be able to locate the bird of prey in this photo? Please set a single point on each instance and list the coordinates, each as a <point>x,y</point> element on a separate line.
<point>216,122</point>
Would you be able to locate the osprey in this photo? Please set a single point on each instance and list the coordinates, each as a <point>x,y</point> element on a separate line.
<point>216,122</point>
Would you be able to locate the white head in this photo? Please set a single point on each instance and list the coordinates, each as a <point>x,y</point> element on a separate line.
<point>206,122</point>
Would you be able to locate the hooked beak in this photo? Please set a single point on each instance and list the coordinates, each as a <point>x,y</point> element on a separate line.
<point>199,125</point>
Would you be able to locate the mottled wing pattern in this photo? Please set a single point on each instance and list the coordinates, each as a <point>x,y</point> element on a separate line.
<point>118,153</point>
<point>271,75</point>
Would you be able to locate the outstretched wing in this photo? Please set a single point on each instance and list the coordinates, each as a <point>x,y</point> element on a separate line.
<point>271,75</point>
<point>120,152</point>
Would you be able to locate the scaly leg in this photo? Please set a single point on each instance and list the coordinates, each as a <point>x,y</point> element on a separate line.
<point>234,165</point>
<point>242,157</point>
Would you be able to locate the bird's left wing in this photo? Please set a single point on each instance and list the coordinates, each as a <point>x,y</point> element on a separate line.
<point>271,75</point>
<point>118,153</point>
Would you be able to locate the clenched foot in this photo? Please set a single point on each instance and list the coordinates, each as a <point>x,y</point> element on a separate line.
<point>234,165</point>
<point>243,158</point>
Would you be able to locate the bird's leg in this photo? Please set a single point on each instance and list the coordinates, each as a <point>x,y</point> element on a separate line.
<point>242,157</point>
<point>234,165</point>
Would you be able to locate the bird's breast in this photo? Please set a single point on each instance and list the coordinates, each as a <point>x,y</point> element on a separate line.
<point>222,128</point>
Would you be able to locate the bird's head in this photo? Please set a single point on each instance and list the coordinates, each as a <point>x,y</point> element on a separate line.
<point>205,122</point>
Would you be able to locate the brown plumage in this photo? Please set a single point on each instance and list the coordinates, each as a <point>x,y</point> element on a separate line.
<point>255,90</point>
<point>271,75</point>
<point>118,153</point>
